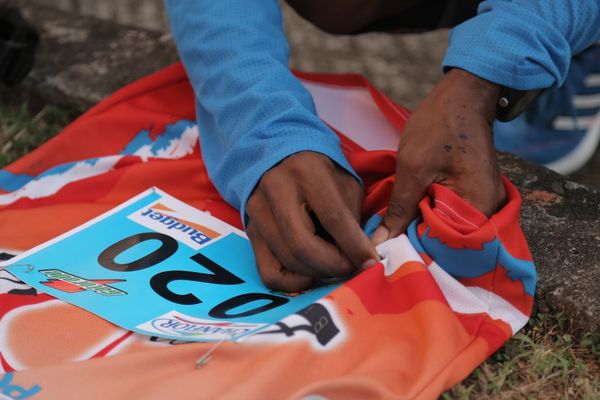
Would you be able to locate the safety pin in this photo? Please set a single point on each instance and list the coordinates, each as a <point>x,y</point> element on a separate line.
<point>206,357</point>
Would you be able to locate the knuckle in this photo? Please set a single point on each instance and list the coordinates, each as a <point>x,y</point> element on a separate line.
<point>332,217</point>
<point>254,205</point>
<point>342,270</point>
<point>396,208</point>
<point>269,273</point>
<point>288,260</point>
<point>300,166</point>
<point>292,285</point>
<point>268,180</point>
<point>274,190</point>
<point>276,280</point>
<point>251,231</point>
<point>294,282</point>
<point>405,162</point>
<point>271,280</point>
<point>306,163</point>
<point>299,248</point>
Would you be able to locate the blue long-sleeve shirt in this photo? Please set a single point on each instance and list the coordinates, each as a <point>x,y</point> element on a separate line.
<point>524,44</point>
<point>252,112</point>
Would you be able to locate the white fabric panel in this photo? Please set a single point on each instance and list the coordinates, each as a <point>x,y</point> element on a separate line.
<point>501,309</point>
<point>50,184</point>
<point>353,111</point>
<point>474,300</point>
<point>395,252</point>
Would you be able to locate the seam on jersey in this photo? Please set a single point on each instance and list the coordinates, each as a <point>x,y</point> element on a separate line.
<point>456,213</point>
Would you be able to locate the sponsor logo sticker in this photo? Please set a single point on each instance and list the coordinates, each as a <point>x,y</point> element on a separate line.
<point>184,326</point>
<point>318,324</point>
<point>70,283</point>
<point>165,219</point>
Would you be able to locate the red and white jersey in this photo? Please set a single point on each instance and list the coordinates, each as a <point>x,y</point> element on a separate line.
<point>446,296</point>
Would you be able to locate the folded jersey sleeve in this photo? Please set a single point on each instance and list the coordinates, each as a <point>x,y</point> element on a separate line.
<point>524,44</point>
<point>252,112</point>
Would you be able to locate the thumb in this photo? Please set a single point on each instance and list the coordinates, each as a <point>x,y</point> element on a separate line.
<point>408,190</point>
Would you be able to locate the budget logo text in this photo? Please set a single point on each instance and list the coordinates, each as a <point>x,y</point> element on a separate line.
<point>163,219</point>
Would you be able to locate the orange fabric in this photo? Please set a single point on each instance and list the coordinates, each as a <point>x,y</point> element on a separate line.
<point>404,331</point>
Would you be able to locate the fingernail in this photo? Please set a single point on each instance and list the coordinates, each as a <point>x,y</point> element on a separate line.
<point>367,264</point>
<point>380,235</point>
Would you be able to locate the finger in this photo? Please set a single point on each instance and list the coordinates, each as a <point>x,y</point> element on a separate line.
<point>340,215</point>
<point>409,188</point>
<point>291,216</point>
<point>273,274</point>
<point>266,225</point>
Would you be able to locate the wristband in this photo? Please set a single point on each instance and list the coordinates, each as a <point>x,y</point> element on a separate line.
<point>512,102</point>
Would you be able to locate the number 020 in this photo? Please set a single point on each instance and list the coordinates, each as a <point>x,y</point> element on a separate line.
<point>160,282</point>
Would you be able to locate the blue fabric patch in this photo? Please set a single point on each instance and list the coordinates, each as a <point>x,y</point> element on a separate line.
<point>518,269</point>
<point>10,182</point>
<point>371,224</point>
<point>163,140</point>
<point>460,263</point>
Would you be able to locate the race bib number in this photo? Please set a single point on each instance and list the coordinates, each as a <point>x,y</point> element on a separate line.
<point>157,266</point>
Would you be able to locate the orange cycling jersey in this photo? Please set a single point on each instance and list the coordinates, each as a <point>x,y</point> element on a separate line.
<point>446,296</point>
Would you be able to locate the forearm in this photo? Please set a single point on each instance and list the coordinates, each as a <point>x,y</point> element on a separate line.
<point>524,44</point>
<point>252,112</point>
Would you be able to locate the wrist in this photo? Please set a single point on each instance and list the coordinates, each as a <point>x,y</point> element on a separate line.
<point>473,92</point>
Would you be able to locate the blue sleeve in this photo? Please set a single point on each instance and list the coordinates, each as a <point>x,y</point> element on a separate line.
<point>524,44</point>
<point>252,112</point>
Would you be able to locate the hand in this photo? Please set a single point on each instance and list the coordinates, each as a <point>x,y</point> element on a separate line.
<point>448,140</point>
<point>296,207</point>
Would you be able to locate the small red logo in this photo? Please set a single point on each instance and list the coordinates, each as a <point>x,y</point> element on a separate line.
<point>69,283</point>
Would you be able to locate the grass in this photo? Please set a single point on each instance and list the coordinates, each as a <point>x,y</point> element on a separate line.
<point>548,359</point>
<point>22,128</point>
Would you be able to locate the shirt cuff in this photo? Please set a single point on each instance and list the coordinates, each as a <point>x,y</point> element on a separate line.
<point>511,47</point>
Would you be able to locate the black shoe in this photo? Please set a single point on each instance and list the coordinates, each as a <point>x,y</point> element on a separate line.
<point>18,42</point>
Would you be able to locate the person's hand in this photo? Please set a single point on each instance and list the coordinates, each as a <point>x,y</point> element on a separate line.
<point>304,223</point>
<point>448,140</point>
